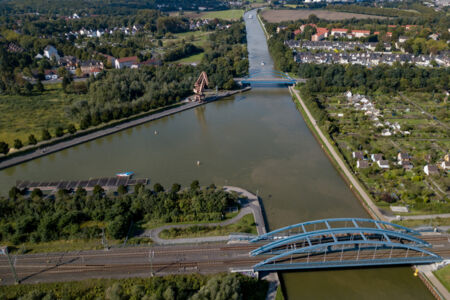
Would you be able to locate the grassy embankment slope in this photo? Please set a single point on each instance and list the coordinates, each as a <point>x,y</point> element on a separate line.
<point>444,276</point>
<point>244,225</point>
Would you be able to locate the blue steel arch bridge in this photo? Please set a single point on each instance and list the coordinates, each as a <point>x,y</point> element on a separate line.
<point>267,78</point>
<point>342,243</point>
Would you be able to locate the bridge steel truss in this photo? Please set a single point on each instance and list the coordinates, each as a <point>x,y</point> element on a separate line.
<point>342,246</point>
<point>272,77</point>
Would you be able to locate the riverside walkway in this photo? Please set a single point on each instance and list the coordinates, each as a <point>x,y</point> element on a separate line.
<point>250,205</point>
<point>64,144</point>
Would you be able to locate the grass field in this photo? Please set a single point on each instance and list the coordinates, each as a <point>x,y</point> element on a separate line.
<point>21,116</point>
<point>244,225</point>
<point>444,276</point>
<point>198,38</point>
<point>230,14</point>
<point>276,16</point>
<point>196,58</point>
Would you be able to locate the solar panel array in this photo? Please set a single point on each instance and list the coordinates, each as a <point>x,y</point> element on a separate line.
<point>67,185</point>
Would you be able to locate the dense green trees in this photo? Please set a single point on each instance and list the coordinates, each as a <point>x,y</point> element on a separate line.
<point>383,78</point>
<point>33,218</point>
<point>193,286</point>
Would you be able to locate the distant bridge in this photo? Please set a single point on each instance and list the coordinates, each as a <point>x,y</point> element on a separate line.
<point>267,78</point>
<point>342,242</point>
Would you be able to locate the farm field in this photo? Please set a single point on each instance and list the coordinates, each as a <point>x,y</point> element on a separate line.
<point>276,16</point>
<point>37,112</point>
<point>229,14</point>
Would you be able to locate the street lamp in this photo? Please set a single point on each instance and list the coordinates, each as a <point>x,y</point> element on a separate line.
<point>4,251</point>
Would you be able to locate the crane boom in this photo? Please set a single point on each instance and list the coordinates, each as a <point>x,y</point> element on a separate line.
<point>200,85</point>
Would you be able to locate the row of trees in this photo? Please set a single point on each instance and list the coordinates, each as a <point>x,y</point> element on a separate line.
<point>99,7</point>
<point>193,286</point>
<point>34,218</point>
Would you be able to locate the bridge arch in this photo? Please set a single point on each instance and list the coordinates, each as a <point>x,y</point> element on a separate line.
<point>328,223</point>
<point>336,234</point>
<point>278,262</point>
<point>365,243</point>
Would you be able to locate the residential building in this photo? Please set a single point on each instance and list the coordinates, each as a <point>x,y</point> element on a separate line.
<point>321,34</point>
<point>360,33</point>
<point>376,157</point>
<point>358,155</point>
<point>339,32</point>
<point>384,164</point>
<point>431,170</point>
<point>51,52</point>
<point>445,165</point>
<point>362,164</point>
<point>127,62</point>
<point>50,75</point>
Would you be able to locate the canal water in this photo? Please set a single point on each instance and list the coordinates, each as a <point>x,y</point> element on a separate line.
<point>256,140</point>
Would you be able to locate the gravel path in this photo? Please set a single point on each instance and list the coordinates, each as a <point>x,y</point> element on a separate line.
<point>249,206</point>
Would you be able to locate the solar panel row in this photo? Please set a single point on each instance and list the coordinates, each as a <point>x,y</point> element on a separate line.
<point>104,182</point>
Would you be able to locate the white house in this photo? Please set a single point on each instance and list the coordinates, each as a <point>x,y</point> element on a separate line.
<point>384,164</point>
<point>430,170</point>
<point>50,75</point>
<point>386,132</point>
<point>51,52</point>
<point>445,165</point>
<point>376,157</point>
<point>127,62</point>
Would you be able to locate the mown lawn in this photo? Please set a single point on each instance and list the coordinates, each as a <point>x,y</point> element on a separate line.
<point>244,225</point>
<point>21,116</point>
<point>444,276</point>
<point>196,58</point>
<point>231,14</point>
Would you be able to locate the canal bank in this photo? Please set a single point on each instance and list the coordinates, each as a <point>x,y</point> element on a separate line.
<point>58,144</point>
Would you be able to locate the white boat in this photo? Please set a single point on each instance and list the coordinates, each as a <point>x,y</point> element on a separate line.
<point>262,63</point>
<point>125,174</point>
<point>250,16</point>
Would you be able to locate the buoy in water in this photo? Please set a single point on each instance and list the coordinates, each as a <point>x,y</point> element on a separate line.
<point>156,132</point>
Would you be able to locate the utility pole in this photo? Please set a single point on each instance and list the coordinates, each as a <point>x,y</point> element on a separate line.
<point>104,241</point>
<point>151,255</point>
<point>4,251</point>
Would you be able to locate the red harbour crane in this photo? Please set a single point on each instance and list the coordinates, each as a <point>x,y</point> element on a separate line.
<point>199,87</point>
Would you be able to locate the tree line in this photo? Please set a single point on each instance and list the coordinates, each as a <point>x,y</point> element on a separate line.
<point>33,217</point>
<point>193,286</point>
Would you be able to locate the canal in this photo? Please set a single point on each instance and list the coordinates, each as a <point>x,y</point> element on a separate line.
<point>256,140</point>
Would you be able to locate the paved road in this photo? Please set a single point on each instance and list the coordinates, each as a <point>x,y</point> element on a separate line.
<point>419,217</point>
<point>107,131</point>
<point>250,206</point>
<point>354,182</point>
